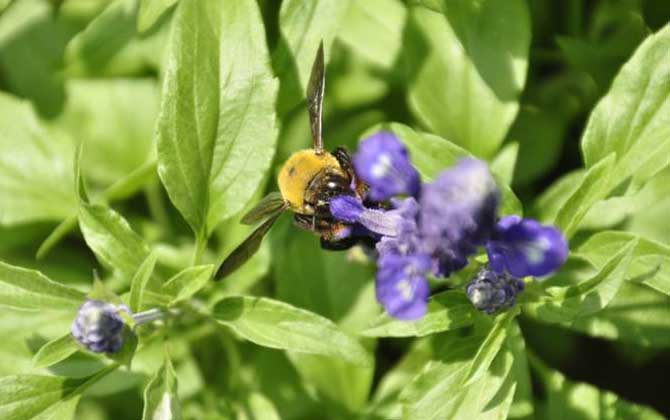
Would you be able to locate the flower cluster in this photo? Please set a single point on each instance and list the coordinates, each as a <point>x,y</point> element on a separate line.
<point>433,228</point>
<point>99,327</point>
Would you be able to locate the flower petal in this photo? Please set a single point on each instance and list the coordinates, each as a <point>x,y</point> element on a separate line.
<point>402,287</point>
<point>383,163</point>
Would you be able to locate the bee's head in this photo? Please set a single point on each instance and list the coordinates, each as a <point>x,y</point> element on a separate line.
<point>298,171</point>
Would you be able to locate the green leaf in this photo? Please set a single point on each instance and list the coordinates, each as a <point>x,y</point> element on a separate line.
<point>371,29</point>
<point>35,168</point>
<point>216,131</point>
<point>565,304</point>
<point>274,324</point>
<point>151,11</point>
<point>504,163</point>
<point>490,347</point>
<point>580,401</point>
<point>467,66</point>
<point>437,392</point>
<point>302,26</point>
<point>44,397</point>
<point>595,185</point>
<point>633,119</point>
<point>95,47</point>
<point>446,311</point>
<point>55,350</point>
<point>551,201</point>
<point>522,405</point>
<point>115,119</point>
<point>21,288</point>
<point>257,406</point>
<point>139,283</point>
<point>650,264</point>
<point>112,239</point>
<point>160,395</point>
<point>636,315</point>
<point>188,282</point>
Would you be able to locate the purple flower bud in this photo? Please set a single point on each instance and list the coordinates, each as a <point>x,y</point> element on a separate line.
<point>402,286</point>
<point>458,213</point>
<point>351,210</point>
<point>382,162</point>
<point>524,247</point>
<point>99,327</point>
<point>492,292</point>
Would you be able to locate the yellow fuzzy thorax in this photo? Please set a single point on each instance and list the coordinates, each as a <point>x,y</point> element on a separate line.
<point>298,171</point>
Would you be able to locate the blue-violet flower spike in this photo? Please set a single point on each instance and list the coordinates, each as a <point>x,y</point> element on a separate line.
<point>99,327</point>
<point>458,213</point>
<point>351,210</point>
<point>382,162</point>
<point>402,286</point>
<point>491,292</point>
<point>524,247</point>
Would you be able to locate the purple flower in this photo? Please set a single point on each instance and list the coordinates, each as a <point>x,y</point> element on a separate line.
<point>492,292</point>
<point>524,247</point>
<point>458,213</point>
<point>99,327</point>
<point>402,286</point>
<point>382,162</point>
<point>351,210</point>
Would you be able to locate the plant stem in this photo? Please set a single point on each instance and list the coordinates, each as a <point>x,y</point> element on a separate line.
<point>148,316</point>
<point>200,245</point>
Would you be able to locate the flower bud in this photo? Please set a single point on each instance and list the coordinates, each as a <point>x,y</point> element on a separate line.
<point>99,327</point>
<point>491,292</point>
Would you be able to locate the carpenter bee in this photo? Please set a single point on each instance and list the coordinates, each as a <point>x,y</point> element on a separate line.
<point>307,181</point>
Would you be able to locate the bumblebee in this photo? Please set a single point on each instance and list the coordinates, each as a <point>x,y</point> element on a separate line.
<point>307,181</point>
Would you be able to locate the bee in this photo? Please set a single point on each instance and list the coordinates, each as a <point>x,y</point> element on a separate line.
<point>307,181</point>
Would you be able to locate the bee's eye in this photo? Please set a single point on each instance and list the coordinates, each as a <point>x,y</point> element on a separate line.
<point>331,185</point>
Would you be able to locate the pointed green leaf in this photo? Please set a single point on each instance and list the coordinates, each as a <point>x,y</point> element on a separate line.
<point>467,66</point>
<point>151,11</point>
<point>303,25</point>
<point>275,324</point>
<point>651,260</point>
<point>160,395</point>
<point>565,304</point>
<point>216,130</point>
<point>594,186</point>
<point>446,311</point>
<point>21,288</point>
<point>139,283</point>
<point>504,163</point>
<point>188,282</point>
<point>112,239</point>
<point>35,167</point>
<point>27,397</point>
<point>633,119</point>
<point>55,350</point>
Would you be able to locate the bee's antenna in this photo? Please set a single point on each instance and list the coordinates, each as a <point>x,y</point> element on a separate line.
<point>315,91</point>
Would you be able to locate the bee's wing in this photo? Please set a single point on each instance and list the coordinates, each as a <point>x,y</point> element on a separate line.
<point>246,249</point>
<point>315,91</point>
<point>270,205</point>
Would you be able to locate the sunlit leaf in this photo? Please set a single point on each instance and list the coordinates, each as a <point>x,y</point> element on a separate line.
<point>160,395</point>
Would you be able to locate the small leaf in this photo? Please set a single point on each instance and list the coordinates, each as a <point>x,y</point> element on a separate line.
<point>216,130</point>
<point>160,395</point>
<point>112,239</point>
<point>651,260</point>
<point>35,167</point>
<point>54,351</point>
<point>446,311</point>
<point>565,304</point>
<point>188,282</point>
<point>139,283</point>
<point>21,288</point>
<point>633,119</point>
<point>594,186</point>
<point>44,397</point>
<point>151,11</point>
<point>467,66</point>
<point>504,163</point>
<point>274,324</point>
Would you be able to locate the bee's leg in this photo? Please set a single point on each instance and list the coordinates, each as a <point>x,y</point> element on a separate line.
<point>338,245</point>
<point>305,222</point>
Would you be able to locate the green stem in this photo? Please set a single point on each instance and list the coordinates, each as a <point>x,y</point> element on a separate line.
<point>199,250</point>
